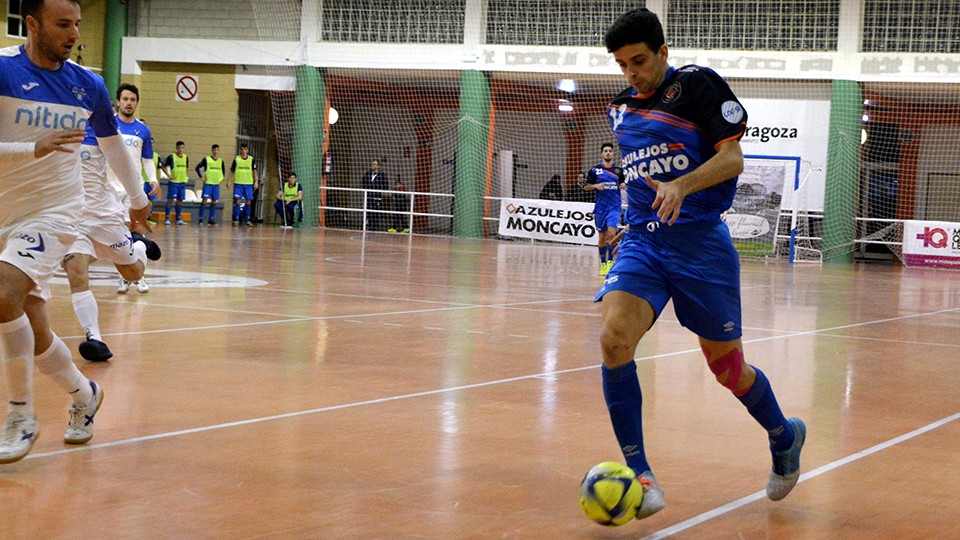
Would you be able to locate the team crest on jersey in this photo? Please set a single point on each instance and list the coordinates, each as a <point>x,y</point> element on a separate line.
<point>671,93</point>
<point>80,93</point>
<point>617,116</point>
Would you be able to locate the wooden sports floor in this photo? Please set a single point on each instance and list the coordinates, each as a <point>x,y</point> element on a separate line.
<point>388,386</point>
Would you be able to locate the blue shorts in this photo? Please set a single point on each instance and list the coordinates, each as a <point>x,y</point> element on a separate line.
<point>147,188</point>
<point>606,217</point>
<point>243,191</point>
<point>176,190</point>
<point>211,191</point>
<point>695,264</point>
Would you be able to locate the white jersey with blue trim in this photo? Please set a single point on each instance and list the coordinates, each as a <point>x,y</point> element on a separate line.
<point>136,138</point>
<point>35,102</point>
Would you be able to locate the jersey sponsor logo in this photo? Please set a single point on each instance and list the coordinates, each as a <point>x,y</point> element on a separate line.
<point>671,93</point>
<point>29,86</point>
<point>661,165</point>
<point>732,111</point>
<point>45,117</point>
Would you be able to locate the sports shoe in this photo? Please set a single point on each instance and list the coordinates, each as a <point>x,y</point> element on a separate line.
<point>95,350</point>
<point>249,224</point>
<point>80,427</point>
<point>786,464</point>
<point>166,222</point>
<point>235,224</point>
<point>19,434</point>
<point>123,287</point>
<point>212,223</point>
<point>181,222</point>
<point>199,224</point>
<point>153,250</point>
<point>391,229</point>
<point>405,230</point>
<point>605,267</point>
<point>652,496</point>
<point>142,286</point>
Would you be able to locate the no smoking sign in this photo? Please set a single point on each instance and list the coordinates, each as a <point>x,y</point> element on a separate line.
<point>188,86</point>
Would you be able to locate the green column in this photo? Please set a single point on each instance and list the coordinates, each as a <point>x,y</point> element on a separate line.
<point>472,142</point>
<point>308,138</point>
<point>843,172</point>
<point>114,29</point>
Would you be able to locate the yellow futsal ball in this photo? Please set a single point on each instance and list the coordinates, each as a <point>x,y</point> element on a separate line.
<point>610,493</point>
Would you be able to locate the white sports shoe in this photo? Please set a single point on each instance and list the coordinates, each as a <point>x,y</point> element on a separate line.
<point>80,427</point>
<point>19,434</point>
<point>142,286</point>
<point>652,496</point>
<point>123,287</point>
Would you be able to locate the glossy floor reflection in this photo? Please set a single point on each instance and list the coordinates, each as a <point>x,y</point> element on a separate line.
<point>326,384</point>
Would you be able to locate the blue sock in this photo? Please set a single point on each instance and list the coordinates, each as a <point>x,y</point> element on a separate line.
<point>236,212</point>
<point>609,252</point>
<point>762,406</point>
<point>621,389</point>
<point>246,212</point>
<point>202,208</point>
<point>167,213</point>
<point>213,210</point>
<point>603,254</point>
<point>179,212</point>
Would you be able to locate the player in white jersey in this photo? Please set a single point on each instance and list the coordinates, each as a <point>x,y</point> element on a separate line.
<point>103,232</point>
<point>45,103</point>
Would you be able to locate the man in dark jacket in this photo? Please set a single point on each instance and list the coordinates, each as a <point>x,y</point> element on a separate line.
<point>375,182</point>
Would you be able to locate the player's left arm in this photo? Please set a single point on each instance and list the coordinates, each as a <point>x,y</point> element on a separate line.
<point>724,165</point>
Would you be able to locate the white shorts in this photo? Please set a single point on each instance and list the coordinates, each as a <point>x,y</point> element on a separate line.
<point>105,238</point>
<point>37,245</point>
<point>100,199</point>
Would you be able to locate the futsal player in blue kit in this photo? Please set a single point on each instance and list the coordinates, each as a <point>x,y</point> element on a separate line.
<point>606,181</point>
<point>678,131</point>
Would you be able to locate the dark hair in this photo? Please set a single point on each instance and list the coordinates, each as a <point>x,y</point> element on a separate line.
<point>635,26</point>
<point>293,174</point>
<point>33,8</point>
<point>215,147</point>
<point>244,145</point>
<point>128,87</point>
<point>180,143</point>
<point>605,145</point>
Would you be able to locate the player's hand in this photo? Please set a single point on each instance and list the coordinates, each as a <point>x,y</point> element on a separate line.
<point>139,217</point>
<point>670,196</point>
<point>58,141</point>
<point>154,189</point>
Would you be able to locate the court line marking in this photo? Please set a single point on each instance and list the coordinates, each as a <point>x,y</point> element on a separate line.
<point>438,391</point>
<point>753,497</point>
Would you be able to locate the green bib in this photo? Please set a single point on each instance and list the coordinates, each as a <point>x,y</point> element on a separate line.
<point>243,173</point>
<point>290,193</point>
<point>179,169</point>
<point>214,173</point>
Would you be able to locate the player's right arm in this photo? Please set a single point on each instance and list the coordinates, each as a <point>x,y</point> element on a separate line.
<point>591,184</point>
<point>57,141</point>
<point>201,168</point>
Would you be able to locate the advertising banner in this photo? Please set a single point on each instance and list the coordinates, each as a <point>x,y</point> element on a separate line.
<point>554,221</point>
<point>931,243</point>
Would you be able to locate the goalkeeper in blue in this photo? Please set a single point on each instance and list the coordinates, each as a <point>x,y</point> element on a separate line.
<point>606,181</point>
<point>678,130</point>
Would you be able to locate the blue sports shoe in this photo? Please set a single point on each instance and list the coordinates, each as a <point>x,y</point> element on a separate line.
<point>786,464</point>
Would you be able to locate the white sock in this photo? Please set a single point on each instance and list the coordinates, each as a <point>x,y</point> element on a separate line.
<point>57,363</point>
<point>88,313</point>
<point>16,354</point>
<point>140,252</point>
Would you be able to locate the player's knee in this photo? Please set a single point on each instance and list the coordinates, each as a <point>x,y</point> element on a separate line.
<point>727,368</point>
<point>616,344</point>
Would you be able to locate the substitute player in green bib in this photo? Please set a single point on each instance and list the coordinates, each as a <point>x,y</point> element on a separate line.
<point>288,198</point>
<point>176,168</point>
<point>211,171</point>
<point>245,181</point>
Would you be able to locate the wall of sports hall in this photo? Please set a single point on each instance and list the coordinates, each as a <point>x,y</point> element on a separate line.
<point>471,100</point>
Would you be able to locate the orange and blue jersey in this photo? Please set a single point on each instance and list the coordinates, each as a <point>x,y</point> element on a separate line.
<point>610,178</point>
<point>670,132</point>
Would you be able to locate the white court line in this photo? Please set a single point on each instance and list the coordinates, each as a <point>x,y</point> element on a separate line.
<point>753,497</point>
